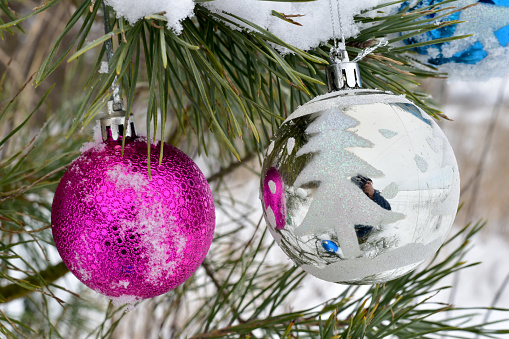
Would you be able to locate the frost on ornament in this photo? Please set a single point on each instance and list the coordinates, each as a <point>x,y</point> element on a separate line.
<point>125,235</point>
<point>363,197</point>
<point>479,57</point>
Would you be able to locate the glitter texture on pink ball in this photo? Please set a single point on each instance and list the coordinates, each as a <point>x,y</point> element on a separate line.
<point>127,236</point>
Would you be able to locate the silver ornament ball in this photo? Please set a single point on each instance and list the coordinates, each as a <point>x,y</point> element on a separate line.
<point>359,186</point>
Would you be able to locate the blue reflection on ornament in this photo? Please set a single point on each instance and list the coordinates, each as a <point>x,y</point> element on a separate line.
<point>471,55</point>
<point>412,109</point>
<point>129,269</point>
<point>330,246</point>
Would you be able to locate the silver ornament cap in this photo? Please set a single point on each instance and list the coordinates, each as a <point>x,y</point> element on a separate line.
<point>342,74</point>
<point>113,123</point>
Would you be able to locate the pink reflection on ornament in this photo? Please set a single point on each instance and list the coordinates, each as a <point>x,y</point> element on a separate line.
<point>125,235</point>
<point>274,197</point>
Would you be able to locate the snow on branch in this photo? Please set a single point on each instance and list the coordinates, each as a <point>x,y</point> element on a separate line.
<point>311,20</point>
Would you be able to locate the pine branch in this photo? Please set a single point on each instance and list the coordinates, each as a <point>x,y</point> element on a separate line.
<point>217,284</point>
<point>232,167</point>
<point>196,60</point>
<point>32,283</point>
<point>20,191</point>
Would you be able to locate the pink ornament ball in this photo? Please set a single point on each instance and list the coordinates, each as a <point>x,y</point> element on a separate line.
<point>126,235</point>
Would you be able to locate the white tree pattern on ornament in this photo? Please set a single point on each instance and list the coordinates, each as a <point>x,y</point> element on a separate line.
<point>339,204</point>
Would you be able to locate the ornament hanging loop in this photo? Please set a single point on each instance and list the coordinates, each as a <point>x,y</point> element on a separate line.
<point>341,74</point>
<point>339,54</point>
<point>113,124</point>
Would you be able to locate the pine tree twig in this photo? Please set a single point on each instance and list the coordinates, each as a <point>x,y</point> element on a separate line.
<point>442,115</point>
<point>396,69</point>
<point>218,286</point>
<point>13,325</point>
<point>210,274</point>
<point>230,82</point>
<point>21,225</point>
<point>39,245</point>
<point>21,88</point>
<point>49,275</point>
<point>229,169</point>
<point>254,324</point>
<point>488,137</point>
<point>246,246</point>
<point>156,25</point>
<point>428,11</point>
<point>496,298</point>
<point>23,231</point>
<point>16,193</point>
<point>379,57</point>
<point>175,307</point>
<point>2,163</point>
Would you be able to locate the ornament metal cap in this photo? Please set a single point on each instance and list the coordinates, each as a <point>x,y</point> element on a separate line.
<point>113,124</point>
<point>343,73</point>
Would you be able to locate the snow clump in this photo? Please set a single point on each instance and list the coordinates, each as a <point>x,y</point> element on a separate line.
<point>313,18</point>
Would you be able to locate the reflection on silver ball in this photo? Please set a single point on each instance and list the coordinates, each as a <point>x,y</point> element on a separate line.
<point>359,187</point>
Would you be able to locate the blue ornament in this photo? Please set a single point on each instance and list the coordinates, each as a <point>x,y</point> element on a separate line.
<point>330,246</point>
<point>488,22</point>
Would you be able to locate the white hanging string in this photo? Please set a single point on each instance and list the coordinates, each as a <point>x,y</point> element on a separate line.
<point>338,51</point>
<point>340,24</point>
<point>336,54</point>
